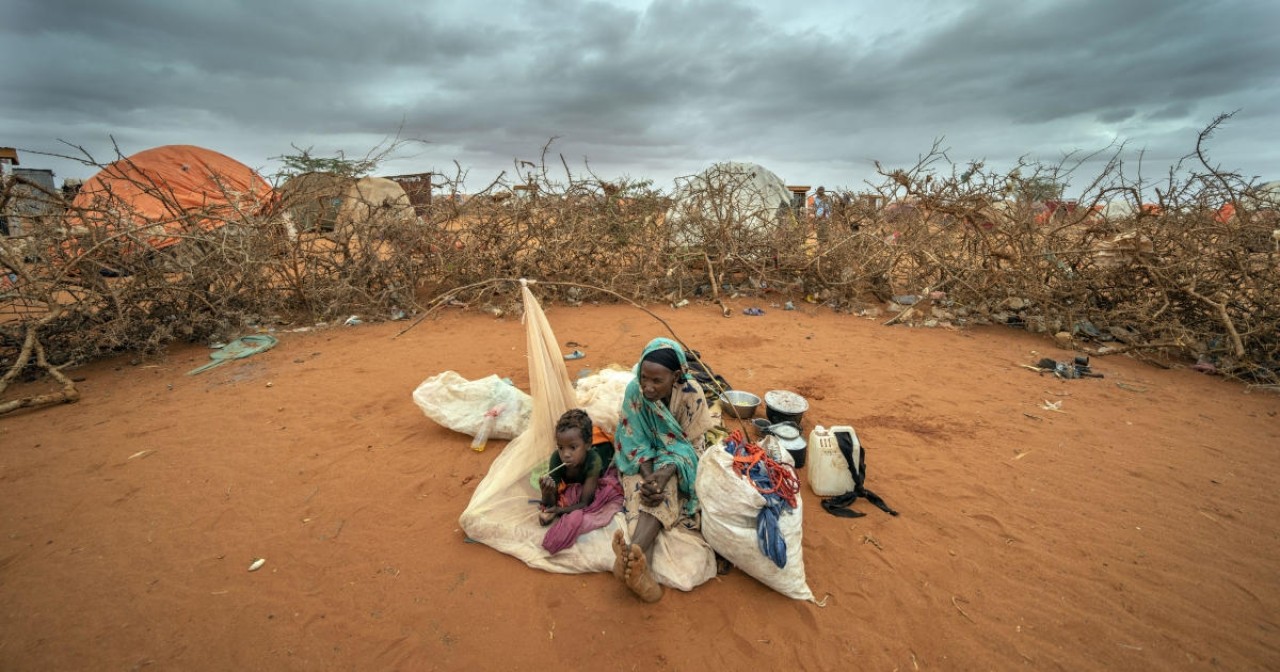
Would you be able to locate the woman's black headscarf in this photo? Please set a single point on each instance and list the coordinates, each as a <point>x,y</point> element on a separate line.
<point>666,357</point>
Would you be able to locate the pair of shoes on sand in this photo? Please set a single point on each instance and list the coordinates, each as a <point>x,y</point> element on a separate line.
<point>632,568</point>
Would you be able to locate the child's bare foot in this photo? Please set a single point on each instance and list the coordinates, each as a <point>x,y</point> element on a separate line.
<point>545,518</point>
<point>622,555</point>
<point>638,578</point>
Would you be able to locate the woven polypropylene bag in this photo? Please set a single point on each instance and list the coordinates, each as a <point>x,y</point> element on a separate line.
<point>729,508</point>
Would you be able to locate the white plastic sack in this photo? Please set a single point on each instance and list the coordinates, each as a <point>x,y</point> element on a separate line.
<point>729,507</point>
<point>499,514</point>
<point>460,404</point>
<point>600,395</point>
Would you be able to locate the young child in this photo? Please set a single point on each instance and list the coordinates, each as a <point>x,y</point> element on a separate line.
<point>575,462</point>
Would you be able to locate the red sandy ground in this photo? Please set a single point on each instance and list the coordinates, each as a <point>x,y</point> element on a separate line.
<point>1136,530</point>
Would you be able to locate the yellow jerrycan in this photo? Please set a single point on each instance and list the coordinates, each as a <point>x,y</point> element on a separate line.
<point>829,474</point>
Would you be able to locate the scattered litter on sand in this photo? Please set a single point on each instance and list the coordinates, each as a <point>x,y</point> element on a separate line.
<point>240,348</point>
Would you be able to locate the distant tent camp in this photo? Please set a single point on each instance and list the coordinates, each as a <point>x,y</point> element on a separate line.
<point>166,191</point>
<point>743,194</point>
<point>330,203</point>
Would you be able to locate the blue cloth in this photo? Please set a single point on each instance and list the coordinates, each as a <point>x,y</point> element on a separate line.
<point>819,206</point>
<point>771,542</point>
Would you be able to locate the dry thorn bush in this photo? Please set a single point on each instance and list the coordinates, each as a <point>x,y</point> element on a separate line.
<point>1172,281</point>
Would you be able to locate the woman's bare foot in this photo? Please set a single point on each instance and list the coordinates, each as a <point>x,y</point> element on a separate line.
<point>638,578</point>
<point>622,556</point>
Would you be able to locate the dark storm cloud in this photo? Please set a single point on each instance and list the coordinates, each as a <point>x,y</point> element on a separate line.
<point>245,62</point>
<point>1063,59</point>
<point>658,88</point>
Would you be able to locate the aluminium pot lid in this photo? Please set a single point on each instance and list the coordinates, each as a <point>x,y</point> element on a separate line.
<point>785,401</point>
<point>785,432</point>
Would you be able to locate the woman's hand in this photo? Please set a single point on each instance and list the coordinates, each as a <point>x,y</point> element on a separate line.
<point>662,475</point>
<point>651,491</point>
<point>651,495</point>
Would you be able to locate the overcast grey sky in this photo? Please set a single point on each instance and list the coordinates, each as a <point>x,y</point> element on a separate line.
<point>815,91</point>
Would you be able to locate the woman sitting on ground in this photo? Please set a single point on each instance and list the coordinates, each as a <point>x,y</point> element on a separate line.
<point>659,438</point>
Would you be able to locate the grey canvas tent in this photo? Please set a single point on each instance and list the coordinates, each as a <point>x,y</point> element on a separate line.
<point>339,205</point>
<point>745,195</point>
<point>1268,195</point>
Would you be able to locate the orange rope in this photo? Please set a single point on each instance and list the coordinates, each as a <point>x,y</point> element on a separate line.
<point>747,455</point>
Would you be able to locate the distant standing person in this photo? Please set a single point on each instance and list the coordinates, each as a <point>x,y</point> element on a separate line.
<point>819,209</point>
<point>819,206</point>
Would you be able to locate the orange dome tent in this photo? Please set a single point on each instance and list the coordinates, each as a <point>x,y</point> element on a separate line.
<point>166,191</point>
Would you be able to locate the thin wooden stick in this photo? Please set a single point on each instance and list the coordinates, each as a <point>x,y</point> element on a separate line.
<point>956,604</point>
<point>438,301</point>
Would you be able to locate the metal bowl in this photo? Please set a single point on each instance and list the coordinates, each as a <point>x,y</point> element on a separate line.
<point>739,404</point>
